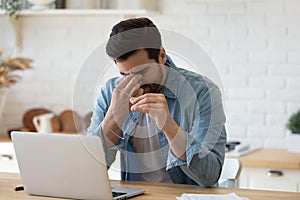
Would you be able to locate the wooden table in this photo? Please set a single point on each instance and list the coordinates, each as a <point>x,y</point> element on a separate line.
<point>159,191</point>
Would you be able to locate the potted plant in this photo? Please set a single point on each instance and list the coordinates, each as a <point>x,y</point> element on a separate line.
<point>7,76</point>
<point>11,7</point>
<point>293,125</point>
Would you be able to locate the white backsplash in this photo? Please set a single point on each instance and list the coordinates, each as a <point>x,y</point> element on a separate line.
<point>254,43</point>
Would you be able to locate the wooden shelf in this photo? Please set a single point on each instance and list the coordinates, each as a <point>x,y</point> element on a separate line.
<point>82,12</point>
<point>17,24</point>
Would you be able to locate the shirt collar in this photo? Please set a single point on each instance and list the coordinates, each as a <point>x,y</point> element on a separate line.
<point>171,84</point>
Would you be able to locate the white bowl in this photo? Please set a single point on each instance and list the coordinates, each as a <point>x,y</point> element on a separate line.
<point>40,4</point>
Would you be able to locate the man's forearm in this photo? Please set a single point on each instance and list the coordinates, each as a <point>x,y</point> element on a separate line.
<point>110,130</point>
<point>177,139</point>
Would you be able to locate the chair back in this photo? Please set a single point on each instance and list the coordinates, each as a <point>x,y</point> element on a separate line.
<point>230,173</point>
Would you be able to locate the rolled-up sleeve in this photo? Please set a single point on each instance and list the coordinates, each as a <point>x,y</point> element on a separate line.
<point>205,141</point>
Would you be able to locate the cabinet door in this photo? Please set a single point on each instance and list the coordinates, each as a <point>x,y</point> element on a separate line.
<point>10,166</point>
<point>8,162</point>
<point>261,178</point>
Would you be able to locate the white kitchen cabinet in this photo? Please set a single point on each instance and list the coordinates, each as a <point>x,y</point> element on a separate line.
<point>10,166</point>
<point>270,169</point>
<point>8,161</point>
<point>262,178</point>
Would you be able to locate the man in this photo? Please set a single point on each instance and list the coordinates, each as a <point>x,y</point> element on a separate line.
<point>167,122</point>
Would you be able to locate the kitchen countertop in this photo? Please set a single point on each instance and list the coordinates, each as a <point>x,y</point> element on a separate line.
<point>4,138</point>
<point>274,158</point>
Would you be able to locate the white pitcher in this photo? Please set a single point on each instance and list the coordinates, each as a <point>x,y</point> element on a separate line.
<point>43,123</point>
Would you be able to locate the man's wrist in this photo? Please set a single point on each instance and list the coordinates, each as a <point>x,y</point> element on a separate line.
<point>170,128</point>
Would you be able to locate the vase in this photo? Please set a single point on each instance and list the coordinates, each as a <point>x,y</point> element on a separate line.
<point>82,4</point>
<point>129,4</point>
<point>3,94</point>
<point>40,4</point>
<point>293,143</point>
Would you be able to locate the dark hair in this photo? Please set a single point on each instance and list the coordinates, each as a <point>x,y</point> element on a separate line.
<point>131,35</point>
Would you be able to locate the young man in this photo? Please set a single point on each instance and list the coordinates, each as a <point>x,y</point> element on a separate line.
<point>167,122</point>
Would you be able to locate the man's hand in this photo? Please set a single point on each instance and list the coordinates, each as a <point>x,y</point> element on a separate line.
<point>156,106</point>
<point>120,107</point>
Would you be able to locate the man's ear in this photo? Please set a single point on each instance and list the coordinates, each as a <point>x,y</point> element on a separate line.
<point>162,55</point>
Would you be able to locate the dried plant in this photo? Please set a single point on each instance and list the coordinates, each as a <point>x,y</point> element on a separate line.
<point>8,66</point>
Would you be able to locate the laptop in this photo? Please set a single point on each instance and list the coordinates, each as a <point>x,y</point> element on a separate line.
<point>66,166</point>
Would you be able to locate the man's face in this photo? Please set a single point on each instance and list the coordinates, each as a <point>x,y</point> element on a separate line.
<point>151,71</point>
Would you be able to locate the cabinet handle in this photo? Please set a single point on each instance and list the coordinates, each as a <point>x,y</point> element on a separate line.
<point>6,157</point>
<point>275,173</point>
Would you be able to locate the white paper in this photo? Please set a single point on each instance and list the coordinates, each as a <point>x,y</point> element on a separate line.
<point>231,196</point>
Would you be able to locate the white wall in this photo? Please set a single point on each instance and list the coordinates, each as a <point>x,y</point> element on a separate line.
<point>255,45</point>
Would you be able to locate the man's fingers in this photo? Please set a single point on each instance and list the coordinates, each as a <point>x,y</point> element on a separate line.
<point>129,81</point>
<point>131,88</point>
<point>140,92</point>
<point>134,82</point>
<point>146,108</point>
<point>148,98</point>
<point>136,92</point>
<point>125,81</point>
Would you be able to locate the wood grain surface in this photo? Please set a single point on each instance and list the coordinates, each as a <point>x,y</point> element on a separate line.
<point>154,191</point>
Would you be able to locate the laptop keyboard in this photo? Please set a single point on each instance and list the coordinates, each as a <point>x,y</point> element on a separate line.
<point>116,194</point>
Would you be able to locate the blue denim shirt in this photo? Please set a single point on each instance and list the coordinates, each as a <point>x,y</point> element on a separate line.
<point>195,103</point>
